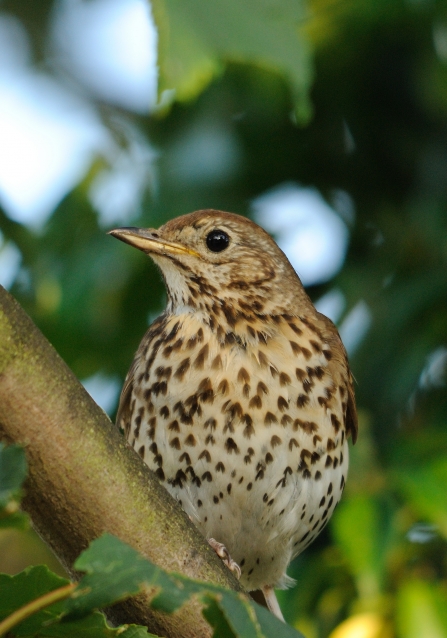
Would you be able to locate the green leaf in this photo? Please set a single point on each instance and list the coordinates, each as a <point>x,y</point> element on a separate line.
<point>16,591</point>
<point>272,627</point>
<point>197,37</point>
<point>92,626</point>
<point>230,614</point>
<point>116,571</point>
<point>34,582</point>
<point>217,619</point>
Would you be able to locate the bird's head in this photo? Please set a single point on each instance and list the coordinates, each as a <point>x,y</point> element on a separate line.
<point>211,259</point>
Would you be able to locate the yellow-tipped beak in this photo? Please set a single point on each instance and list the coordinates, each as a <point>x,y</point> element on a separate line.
<point>147,240</point>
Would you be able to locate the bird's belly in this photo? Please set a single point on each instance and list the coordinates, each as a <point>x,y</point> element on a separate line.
<point>265,526</point>
<point>255,460</point>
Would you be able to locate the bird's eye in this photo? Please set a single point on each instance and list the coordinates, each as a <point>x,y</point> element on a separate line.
<point>217,240</point>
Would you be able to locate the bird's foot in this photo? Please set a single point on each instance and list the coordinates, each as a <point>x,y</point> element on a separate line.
<point>224,554</point>
<point>272,603</point>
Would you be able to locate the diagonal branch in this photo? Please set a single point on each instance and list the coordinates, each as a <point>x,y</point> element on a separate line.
<point>84,479</point>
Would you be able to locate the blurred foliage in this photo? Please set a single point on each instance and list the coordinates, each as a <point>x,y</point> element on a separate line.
<point>378,133</point>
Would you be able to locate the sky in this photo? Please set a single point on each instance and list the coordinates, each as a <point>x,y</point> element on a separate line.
<point>51,131</point>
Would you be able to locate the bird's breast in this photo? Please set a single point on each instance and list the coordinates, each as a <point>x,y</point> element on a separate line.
<point>242,434</point>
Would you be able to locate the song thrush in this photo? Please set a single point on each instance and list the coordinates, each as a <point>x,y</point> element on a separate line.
<point>240,396</point>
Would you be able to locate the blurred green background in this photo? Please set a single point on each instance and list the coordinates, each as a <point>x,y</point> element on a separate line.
<point>326,121</point>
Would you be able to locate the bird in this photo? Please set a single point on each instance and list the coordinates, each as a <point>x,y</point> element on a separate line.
<point>240,397</point>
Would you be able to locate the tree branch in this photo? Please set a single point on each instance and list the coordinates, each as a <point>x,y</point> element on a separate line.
<point>85,480</point>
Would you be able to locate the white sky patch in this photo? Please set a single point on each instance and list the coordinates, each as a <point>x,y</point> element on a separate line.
<point>117,192</point>
<point>332,304</point>
<point>104,390</point>
<point>47,134</point>
<point>10,260</point>
<point>110,46</point>
<point>47,139</point>
<point>355,325</point>
<point>434,373</point>
<point>307,229</point>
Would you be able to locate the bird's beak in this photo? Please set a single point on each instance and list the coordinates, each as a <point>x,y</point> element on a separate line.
<point>148,240</point>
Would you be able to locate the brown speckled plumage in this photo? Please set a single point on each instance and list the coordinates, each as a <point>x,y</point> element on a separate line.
<point>240,396</point>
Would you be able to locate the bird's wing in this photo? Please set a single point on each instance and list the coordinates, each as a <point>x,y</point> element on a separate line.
<point>123,417</point>
<point>341,373</point>
<point>124,414</point>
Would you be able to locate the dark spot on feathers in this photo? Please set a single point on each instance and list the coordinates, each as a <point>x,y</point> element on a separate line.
<point>307,385</point>
<point>183,367</point>
<point>284,379</point>
<point>205,455</point>
<point>262,388</point>
<point>255,402</point>
<point>200,359</point>
<point>319,372</point>
<point>210,423</point>
<point>164,412</point>
<point>223,387</point>
<point>243,376</point>
<point>296,349</point>
<point>270,418</point>
<point>286,419</point>
<point>295,329</point>
<point>335,422</point>
<point>231,446</point>
<point>293,443</point>
<point>316,347</point>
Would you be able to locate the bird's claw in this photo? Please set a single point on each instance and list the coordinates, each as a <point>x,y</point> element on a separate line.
<point>224,554</point>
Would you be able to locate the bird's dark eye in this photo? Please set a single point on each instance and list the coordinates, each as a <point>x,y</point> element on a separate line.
<point>217,240</point>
